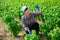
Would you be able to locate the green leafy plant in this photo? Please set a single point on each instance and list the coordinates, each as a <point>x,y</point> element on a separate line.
<point>8,19</point>
<point>32,36</point>
<point>54,34</point>
<point>14,27</point>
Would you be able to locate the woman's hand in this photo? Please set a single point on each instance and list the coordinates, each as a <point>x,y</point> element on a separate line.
<point>26,29</point>
<point>40,12</point>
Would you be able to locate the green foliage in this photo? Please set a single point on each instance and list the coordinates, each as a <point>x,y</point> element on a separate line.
<point>8,19</point>
<point>14,27</point>
<point>32,36</point>
<point>54,34</point>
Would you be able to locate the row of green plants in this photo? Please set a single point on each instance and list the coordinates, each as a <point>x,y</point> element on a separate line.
<point>13,26</point>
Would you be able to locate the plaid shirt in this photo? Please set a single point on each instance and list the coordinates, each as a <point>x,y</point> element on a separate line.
<point>26,21</point>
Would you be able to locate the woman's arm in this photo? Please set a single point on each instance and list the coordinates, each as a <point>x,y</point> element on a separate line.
<point>36,13</point>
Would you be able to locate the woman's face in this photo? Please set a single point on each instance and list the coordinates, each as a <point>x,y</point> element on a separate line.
<point>27,12</point>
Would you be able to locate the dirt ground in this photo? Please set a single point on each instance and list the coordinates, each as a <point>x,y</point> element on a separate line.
<point>6,35</point>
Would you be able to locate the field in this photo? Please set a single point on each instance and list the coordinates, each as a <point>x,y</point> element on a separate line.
<point>10,15</point>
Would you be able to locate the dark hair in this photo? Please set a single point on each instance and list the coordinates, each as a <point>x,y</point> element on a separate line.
<point>25,9</point>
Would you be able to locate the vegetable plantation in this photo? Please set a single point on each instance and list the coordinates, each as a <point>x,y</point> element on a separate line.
<point>50,17</point>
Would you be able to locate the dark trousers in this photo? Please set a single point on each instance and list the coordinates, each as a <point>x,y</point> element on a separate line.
<point>33,26</point>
